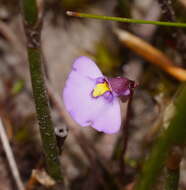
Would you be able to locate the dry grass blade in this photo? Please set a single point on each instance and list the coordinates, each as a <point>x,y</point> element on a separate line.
<point>10,157</point>
<point>151,54</point>
<point>8,34</point>
<point>183,2</point>
<point>40,7</point>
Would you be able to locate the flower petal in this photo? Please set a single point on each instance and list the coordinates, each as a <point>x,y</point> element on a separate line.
<point>77,94</point>
<point>86,67</point>
<point>109,120</point>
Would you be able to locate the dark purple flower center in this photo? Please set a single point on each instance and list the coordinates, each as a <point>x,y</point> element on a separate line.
<point>110,87</point>
<point>121,86</point>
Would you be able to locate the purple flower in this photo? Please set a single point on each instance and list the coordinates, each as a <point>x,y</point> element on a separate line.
<point>92,99</point>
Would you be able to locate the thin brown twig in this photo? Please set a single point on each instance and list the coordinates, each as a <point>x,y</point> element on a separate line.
<point>125,135</point>
<point>10,157</point>
<point>8,34</point>
<point>40,7</point>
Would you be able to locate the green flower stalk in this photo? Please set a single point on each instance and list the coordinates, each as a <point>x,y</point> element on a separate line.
<point>43,115</point>
<point>39,91</point>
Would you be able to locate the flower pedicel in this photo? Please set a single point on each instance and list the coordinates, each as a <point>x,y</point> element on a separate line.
<point>93,99</point>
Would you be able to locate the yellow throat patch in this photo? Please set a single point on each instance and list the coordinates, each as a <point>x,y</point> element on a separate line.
<point>100,89</point>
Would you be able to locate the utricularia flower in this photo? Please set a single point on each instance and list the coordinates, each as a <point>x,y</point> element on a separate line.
<point>93,99</point>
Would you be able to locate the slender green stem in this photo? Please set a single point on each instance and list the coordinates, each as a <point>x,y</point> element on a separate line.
<point>127,20</point>
<point>39,91</point>
<point>30,11</point>
<point>172,179</point>
<point>43,115</point>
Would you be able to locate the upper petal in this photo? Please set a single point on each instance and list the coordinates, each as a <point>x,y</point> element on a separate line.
<point>86,67</point>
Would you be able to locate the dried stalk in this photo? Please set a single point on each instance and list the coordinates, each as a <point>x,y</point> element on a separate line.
<point>125,135</point>
<point>10,157</point>
<point>151,54</point>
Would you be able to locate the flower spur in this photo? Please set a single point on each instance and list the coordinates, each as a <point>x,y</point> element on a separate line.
<point>93,99</point>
